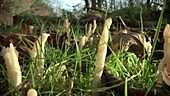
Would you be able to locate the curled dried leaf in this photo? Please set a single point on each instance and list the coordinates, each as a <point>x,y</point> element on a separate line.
<point>133,42</point>
<point>22,43</point>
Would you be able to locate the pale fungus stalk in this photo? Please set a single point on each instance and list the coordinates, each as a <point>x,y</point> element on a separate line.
<point>66,29</point>
<point>66,25</point>
<point>101,55</point>
<point>82,43</point>
<point>32,92</point>
<point>84,39</point>
<point>37,51</point>
<point>166,57</point>
<point>24,28</point>
<point>94,26</point>
<point>10,55</point>
<point>27,29</point>
<point>165,75</point>
<point>30,30</point>
<point>90,30</point>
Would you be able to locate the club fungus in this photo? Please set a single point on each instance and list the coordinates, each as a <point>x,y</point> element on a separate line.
<point>101,55</point>
<point>26,29</point>
<point>90,30</point>
<point>66,25</point>
<point>10,55</point>
<point>84,39</point>
<point>166,57</point>
<point>32,92</point>
<point>165,75</point>
<point>37,51</point>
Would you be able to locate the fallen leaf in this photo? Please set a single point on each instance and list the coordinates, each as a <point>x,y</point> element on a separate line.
<point>133,42</point>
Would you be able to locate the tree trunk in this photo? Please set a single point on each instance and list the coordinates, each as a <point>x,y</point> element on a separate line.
<point>121,5</point>
<point>87,5</point>
<point>105,4</point>
<point>93,3</point>
<point>111,4</point>
<point>99,3</point>
<point>148,4</point>
<point>130,3</point>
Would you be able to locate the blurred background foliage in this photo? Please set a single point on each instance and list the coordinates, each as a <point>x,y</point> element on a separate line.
<point>9,9</point>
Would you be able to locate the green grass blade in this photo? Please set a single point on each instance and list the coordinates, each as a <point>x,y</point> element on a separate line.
<point>157,32</point>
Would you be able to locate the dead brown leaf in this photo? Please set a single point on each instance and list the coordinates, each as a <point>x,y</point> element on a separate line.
<point>22,43</point>
<point>131,41</point>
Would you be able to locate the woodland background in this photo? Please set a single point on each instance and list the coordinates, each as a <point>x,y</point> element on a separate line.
<point>13,12</point>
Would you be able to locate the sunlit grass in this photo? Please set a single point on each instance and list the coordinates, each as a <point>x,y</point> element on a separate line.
<point>82,62</point>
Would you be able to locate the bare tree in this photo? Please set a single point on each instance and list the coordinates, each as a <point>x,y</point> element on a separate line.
<point>112,4</point>
<point>130,3</point>
<point>99,3</point>
<point>87,5</point>
<point>93,3</point>
<point>148,3</point>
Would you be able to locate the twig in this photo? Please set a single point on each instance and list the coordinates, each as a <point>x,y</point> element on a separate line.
<point>119,18</point>
<point>113,86</point>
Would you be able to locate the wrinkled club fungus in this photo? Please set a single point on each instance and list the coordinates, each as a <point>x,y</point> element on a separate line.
<point>10,55</point>
<point>85,38</point>
<point>32,92</point>
<point>166,57</point>
<point>101,55</point>
<point>37,51</point>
